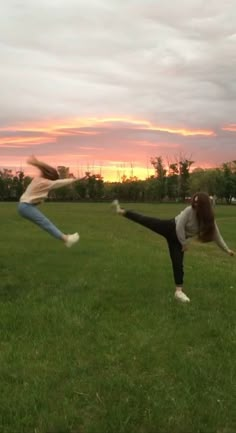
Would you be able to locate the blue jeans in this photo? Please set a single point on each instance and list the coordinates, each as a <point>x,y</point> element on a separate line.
<point>31,212</point>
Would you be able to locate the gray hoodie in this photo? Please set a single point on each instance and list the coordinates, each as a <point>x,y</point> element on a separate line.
<point>187,227</point>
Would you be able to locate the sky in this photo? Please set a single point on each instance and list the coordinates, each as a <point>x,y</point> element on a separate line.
<point>105,85</point>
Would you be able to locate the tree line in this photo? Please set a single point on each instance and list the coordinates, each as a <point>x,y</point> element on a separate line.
<point>171,182</point>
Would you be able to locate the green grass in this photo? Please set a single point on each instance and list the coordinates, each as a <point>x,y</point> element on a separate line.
<point>92,340</point>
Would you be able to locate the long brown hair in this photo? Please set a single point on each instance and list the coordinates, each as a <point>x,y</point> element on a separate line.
<point>202,205</point>
<point>46,170</point>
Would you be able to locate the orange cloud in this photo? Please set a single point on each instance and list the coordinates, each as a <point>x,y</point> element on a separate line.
<point>230,128</point>
<point>148,144</point>
<point>21,141</point>
<point>145,124</point>
<point>63,127</point>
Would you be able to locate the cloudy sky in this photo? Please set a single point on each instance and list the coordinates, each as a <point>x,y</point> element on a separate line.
<point>105,85</point>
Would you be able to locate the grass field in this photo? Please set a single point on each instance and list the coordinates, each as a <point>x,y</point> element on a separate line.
<point>92,340</point>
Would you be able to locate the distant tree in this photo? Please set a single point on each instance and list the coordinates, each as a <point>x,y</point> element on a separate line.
<point>184,176</point>
<point>203,180</point>
<point>160,171</point>
<point>18,184</point>
<point>173,181</point>
<point>6,177</point>
<point>229,180</point>
<point>94,186</point>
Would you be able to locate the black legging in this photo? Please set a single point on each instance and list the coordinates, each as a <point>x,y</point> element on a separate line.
<point>166,228</point>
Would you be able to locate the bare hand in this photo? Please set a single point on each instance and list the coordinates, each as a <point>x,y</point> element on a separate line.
<point>31,160</point>
<point>184,248</point>
<point>231,253</point>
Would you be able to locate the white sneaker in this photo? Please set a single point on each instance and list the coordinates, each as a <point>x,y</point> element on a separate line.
<point>117,207</point>
<point>71,240</point>
<point>180,295</point>
<point>115,204</point>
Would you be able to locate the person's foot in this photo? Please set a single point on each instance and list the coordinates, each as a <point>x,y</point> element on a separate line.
<point>117,207</point>
<point>71,240</point>
<point>180,296</point>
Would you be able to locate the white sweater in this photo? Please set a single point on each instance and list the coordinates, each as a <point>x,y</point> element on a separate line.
<point>187,226</point>
<point>38,190</point>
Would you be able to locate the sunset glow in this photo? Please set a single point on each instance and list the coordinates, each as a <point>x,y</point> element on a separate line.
<point>111,146</point>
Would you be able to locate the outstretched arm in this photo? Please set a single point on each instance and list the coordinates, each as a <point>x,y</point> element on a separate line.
<point>59,183</point>
<point>220,241</point>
